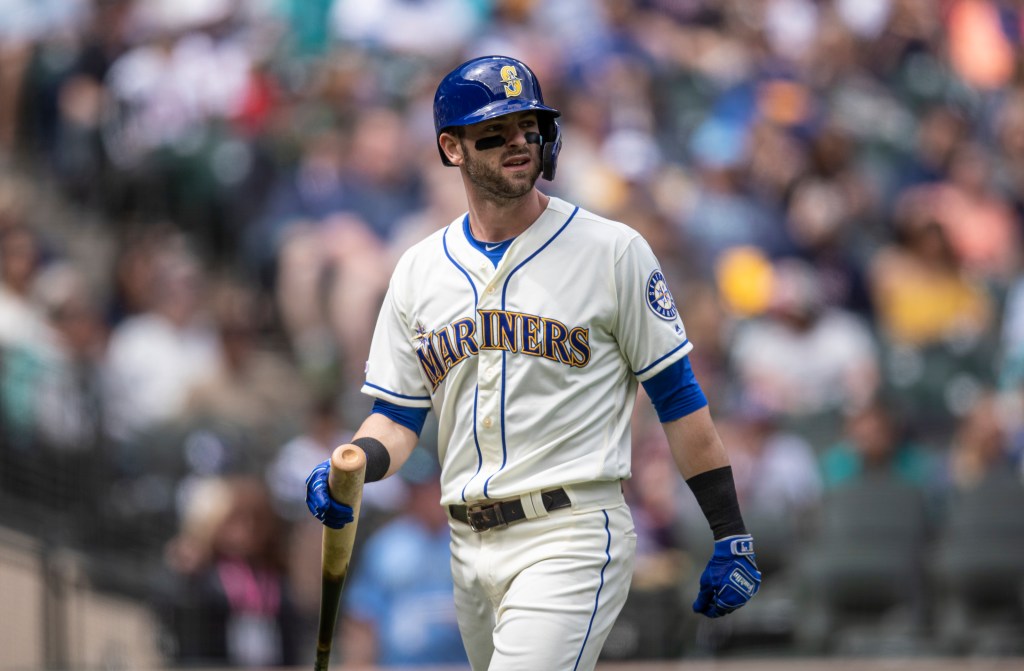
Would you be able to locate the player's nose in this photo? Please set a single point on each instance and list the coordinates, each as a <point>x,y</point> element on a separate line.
<point>515,137</point>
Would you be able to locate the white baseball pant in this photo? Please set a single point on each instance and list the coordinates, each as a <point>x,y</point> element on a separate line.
<point>543,593</point>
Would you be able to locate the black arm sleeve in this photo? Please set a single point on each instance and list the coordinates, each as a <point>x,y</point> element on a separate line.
<point>715,491</point>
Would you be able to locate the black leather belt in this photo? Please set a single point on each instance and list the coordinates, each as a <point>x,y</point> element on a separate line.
<point>484,516</point>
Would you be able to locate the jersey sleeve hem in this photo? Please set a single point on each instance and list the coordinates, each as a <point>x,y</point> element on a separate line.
<point>376,391</point>
<point>664,361</point>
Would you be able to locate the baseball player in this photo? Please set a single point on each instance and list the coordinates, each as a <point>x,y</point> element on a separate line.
<point>526,324</point>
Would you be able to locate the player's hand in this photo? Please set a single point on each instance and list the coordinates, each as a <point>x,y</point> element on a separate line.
<point>319,501</point>
<point>731,578</point>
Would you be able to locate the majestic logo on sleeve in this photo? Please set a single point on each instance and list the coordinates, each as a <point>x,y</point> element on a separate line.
<point>441,350</point>
<point>659,298</point>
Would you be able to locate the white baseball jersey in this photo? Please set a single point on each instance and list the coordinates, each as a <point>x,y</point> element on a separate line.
<point>532,366</point>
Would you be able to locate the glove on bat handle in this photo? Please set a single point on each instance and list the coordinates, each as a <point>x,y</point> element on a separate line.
<point>345,482</point>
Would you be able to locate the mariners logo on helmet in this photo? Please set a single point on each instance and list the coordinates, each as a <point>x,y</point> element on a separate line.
<point>493,86</point>
<point>513,84</point>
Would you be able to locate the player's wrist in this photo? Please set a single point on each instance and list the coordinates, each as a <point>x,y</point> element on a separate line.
<point>739,545</point>
<point>715,492</point>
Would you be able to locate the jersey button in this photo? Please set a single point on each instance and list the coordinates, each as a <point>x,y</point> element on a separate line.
<point>487,422</point>
<point>490,290</point>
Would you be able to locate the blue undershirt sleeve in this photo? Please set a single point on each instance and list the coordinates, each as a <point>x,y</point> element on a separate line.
<point>675,391</point>
<point>411,418</point>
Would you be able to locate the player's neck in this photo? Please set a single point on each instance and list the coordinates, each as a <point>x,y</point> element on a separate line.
<point>491,221</point>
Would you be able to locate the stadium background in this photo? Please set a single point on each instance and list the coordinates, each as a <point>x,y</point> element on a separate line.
<point>201,201</point>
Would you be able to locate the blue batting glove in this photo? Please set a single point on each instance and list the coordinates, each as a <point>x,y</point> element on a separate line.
<point>319,501</point>
<point>731,578</point>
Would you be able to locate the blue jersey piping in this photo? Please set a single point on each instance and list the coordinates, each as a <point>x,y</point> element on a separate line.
<point>597,597</point>
<point>396,394</point>
<point>476,391</point>
<point>673,351</point>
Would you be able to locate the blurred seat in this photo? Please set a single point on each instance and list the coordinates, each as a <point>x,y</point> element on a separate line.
<point>649,626</point>
<point>977,571</point>
<point>860,581</point>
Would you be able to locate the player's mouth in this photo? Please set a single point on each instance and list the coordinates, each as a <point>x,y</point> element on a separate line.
<point>516,163</point>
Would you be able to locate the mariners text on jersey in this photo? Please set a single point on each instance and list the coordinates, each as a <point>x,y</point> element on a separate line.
<point>440,350</point>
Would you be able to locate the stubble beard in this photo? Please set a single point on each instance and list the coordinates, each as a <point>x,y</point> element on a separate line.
<point>493,184</point>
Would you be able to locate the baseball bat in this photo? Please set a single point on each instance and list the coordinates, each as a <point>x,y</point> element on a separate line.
<point>345,481</point>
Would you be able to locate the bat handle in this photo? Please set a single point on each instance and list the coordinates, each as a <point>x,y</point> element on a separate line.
<point>348,468</point>
<point>345,482</point>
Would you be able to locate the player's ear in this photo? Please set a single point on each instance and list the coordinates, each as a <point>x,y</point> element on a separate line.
<point>452,148</point>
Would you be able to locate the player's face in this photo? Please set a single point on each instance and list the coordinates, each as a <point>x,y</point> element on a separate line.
<point>508,171</point>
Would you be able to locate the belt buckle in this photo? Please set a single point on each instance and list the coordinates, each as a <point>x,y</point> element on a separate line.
<point>480,515</point>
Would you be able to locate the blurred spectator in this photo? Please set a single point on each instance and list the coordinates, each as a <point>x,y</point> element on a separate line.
<point>69,402</point>
<point>1009,136</point>
<point>26,338</point>
<point>776,470</point>
<point>444,201</point>
<point>941,131</point>
<point>828,209</point>
<point>169,84</point>
<point>979,222</point>
<point>919,287</point>
<point>305,193</point>
<point>723,214</point>
<point>980,445</point>
<point>331,224</point>
<point>981,42</point>
<point>133,283</point>
<point>1011,338</point>
<point>399,604</point>
<point>804,357</point>
<point>27,23</point>
<point>819,222</point>
<point>332,275</point>
<point>230,603</point>
<point>707,322</point>
<point>384,182</point>
<point>875,444</point>
<point>21,322</point>
<point>254,388</point>
<point>156,357</point>
<point>413,28</point>
<point>654,496</point>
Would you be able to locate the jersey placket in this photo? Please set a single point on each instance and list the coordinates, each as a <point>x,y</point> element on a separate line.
<point>490,385</point>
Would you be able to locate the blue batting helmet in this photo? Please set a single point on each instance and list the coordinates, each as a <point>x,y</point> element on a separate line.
<point>492,86</point>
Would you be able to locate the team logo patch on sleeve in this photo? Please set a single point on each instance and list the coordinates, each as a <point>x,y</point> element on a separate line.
<point>659,298</point>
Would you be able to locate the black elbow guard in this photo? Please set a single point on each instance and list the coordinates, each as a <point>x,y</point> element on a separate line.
<point>378,459</point>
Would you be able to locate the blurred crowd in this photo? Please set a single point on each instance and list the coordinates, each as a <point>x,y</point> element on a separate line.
<point>201,202</point>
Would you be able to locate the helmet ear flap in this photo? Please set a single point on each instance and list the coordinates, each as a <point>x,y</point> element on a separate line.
<point>549,151</point>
